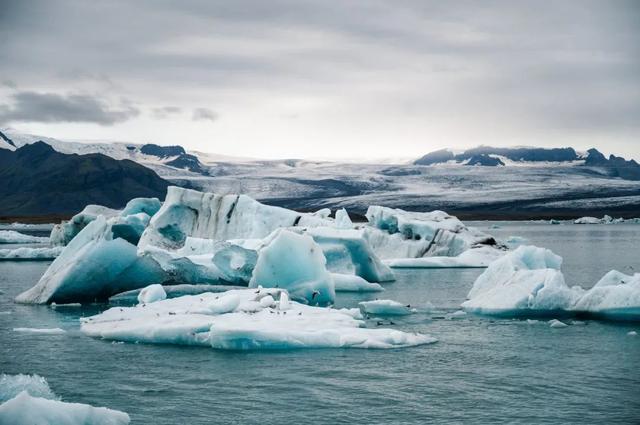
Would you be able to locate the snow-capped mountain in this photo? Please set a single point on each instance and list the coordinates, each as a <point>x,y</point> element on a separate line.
<point>533,183</point>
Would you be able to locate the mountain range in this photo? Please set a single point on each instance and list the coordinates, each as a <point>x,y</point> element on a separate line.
<point>481,183</point>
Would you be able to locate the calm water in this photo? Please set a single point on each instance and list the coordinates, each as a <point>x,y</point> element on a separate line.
<point>481,370</point>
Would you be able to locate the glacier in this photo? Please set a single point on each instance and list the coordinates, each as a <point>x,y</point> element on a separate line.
<point>28,399</point>
<point>244,319</point>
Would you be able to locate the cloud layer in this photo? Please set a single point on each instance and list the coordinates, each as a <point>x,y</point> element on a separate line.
<point>303,78</point>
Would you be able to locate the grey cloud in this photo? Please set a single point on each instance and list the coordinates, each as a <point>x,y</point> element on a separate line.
<point>204,114</point>
<point>50,107</point>
<point>165,111</point>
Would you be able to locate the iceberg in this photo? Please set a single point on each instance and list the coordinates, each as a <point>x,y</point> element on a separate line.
<point>343,221</point>
<point>296,263</point>
<point>616,296</point>
<point>187,212</point>
<point>246,319</point>
<point>353,283</point>
<point>557,324</point>
<point>13,237</point>
<point>527,281</point>
<point>12,385</point>
<point>385,308</point>
<point>26,253</point>
<point>28,399</point>
<point>394,234</point>
<point>138,209</point>
<point>46,331</point>
<point>93,266</point>
<point>152,293</point>
<point>472,258</point>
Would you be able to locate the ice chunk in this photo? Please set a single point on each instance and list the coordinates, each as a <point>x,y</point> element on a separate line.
<point>148,206</point>
<point>26,253</point>
<point>294,262</point>
<point>12,385</point>
<point>152,293</point>
<point>48,331</point>
<point>524,282</point>
<point>63,233</point>
<point>555,323</point>
<point>352,283</point>
<point>588,220</point>
<point>385,307</point>
<point>473,258</point>
<point>245,323</point>
<point>342,219</point>
<point>235,262</point>
<point>615,296</point>
<point>89,268</point>
<point>11,236</point>
<point>25,409</point>
<point>632,333</point>
<point>188,213</point>
<point>347,251</point>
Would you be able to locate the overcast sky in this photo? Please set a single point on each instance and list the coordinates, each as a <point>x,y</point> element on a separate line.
<point>325,79</point>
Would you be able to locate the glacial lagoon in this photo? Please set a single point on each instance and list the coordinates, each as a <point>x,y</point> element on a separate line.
<point>482,369</point>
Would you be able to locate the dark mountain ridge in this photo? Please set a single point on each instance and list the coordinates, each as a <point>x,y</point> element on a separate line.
<point>36,180</point>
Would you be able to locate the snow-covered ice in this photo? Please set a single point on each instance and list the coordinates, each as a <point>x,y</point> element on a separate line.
<point>27,253</point>
<point>615,296</point>
<point>525,281</point>
<point>353,283</point>
<point>258,318</point>
<point>13,237</point>
<point>28,400</point>
<point>385,307</point>
<point>152,293</point>
<point>473,258</point>
<point>46,331</point>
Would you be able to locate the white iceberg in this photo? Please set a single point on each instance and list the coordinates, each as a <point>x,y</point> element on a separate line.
<point>473,258</point>
<point>196,214</point>
<point>13,237</point>
<point>343,221</point>
<point>385,307</point>
<point>12,385</point>
<point>615,296</point>
<point>353,283</point>
<point>27,399</point>
<point>588,220</point>
<point>244,319</point>
<point>296,263</point>
<point>557,324</point>
<point>27,253</point>
<point>527,281</point>
<point>396,235</point>
<point>45,331</point>
<point>152,293</point>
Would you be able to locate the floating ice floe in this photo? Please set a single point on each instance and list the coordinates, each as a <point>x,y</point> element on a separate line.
<point>13,237</point>
<point>26,253</point>
<point>353,283</point>
<point>27,226</point>
<point>28,399</point>
<point>259,318</point>
<point>528,282</point>
<point>607,219</point>
<point>46,331</point>
<point>473,258</point>
<point>557,324</point>
<point>385,308</point>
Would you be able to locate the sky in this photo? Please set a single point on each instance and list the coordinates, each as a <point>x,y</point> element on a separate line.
<point>320,79</point>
